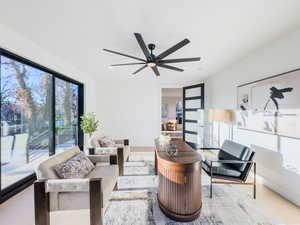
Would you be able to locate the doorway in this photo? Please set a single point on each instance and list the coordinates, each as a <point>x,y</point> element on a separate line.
<point>172,112</point>
<point>183,114</point>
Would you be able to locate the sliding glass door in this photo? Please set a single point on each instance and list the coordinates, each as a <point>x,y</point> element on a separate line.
<point>25,105</point>
<point>66,114</point>
<point>39,116</point>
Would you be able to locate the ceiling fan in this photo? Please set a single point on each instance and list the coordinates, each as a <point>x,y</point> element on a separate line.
<point>152,60</point>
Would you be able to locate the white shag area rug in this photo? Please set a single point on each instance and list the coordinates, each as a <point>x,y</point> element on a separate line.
<point>135,202</point>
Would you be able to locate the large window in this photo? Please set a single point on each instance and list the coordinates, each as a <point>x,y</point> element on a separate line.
<point>40,112</point>
<point>66,114</point>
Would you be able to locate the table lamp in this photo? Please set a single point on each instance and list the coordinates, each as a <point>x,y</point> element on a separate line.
<point>220,115</point>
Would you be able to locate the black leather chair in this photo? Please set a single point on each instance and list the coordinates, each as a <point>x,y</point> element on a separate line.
<point>231,165</point>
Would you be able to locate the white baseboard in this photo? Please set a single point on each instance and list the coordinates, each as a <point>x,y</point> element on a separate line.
<point>142,148</point>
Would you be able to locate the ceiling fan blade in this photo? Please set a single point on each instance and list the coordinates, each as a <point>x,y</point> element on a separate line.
<point>119,53</point>
<point>180,60</point>
<point>142,44</point>
<point>173,49</point>
<point>143,67</point>
<point>170,67</point>
<point>126,64</point>
<point>155,70</point>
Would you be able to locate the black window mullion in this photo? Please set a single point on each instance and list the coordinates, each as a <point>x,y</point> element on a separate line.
<point>0,134</point>
<point>52,119</point>
<point>80,113</point>
<point>202,96</point>
<point>193,98</point>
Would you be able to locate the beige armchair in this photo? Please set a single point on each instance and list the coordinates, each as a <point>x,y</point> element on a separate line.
<point>93,192</point>
<point>122,148</point>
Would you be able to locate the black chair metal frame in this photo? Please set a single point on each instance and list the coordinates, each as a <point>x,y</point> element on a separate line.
<point>217,179</point>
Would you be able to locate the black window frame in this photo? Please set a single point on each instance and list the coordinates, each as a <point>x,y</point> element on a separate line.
<point>20,185</point>
<point>201,97</point>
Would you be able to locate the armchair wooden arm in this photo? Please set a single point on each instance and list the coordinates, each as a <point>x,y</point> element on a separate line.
<point>126,141</point>
<point>42,202</point>
<point>120,153</point>
<point>118,160</point>
<point>122,141</point>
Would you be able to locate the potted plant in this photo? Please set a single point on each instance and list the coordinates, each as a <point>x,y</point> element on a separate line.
<point>89,125</point>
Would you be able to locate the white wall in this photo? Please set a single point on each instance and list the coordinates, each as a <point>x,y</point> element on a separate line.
<point>171,101</point>
<point>273,153</point>
<point>130,108</point>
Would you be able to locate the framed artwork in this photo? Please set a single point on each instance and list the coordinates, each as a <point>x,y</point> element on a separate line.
<point>164,110</point>
<point>271,105</point>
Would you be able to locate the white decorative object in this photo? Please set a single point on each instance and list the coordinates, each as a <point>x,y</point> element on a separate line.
<point>164,139</point>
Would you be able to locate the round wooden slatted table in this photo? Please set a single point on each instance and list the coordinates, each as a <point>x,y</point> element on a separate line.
<point>179,188</point>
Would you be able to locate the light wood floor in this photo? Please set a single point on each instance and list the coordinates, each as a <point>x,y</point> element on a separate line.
<point>275,205</point>
<point>19,209</point>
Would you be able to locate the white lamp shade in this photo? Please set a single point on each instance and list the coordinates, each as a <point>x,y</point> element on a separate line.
<point>220,115</point>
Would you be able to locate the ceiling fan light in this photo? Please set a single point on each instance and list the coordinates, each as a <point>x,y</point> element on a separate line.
<point>151,64</point>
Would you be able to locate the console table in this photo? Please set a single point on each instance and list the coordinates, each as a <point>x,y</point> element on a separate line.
<point>179,187</point>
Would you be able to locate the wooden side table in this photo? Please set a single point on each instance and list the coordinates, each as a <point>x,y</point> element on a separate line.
<point>179,189</point>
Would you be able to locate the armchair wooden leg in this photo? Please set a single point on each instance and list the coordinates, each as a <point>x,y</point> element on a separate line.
<point>155,163</point>
<point>120,152</point>
<point>211,187</point>
<point>96,202</point>
<point>254,183</point>
<point>116,186</point>
<point>211,179</point>
<point>126,143</point>
<point>41,204</point>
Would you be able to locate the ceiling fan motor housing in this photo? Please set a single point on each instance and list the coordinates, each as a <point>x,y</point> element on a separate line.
<point>151,47</point>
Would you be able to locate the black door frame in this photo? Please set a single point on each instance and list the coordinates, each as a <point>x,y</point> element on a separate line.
<point>20,185</point>
<point>202,98</point>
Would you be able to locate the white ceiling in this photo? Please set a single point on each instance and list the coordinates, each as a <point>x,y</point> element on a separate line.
<point>220,31</point>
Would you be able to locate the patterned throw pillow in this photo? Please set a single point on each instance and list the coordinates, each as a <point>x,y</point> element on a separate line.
<point>106,142</point>
<point>79,166</point>
<point>100,143</point>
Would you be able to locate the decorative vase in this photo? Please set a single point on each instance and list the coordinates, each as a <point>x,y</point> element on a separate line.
<point>171,150</point>
<point>90,141</point>
<point>164,140</point>
<point>91,148</point>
